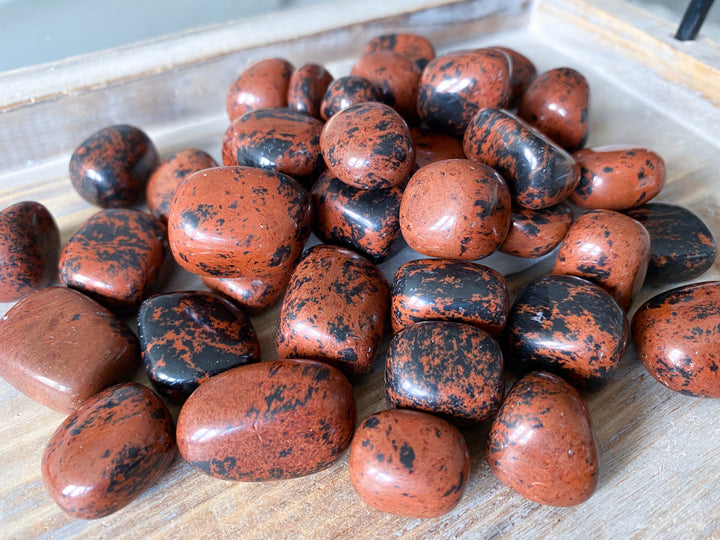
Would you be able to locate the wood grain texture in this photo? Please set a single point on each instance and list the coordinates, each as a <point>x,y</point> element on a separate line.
<point>658,450</point>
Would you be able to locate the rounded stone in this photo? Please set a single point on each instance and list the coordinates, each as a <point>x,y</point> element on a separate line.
<point>111,168</point>
<point>409,463</point>
<point>263,84</point>
<point>345,92</point>
<point>534,233</point>
<point>522,74</point>
<point>541,442</point>
<point>431,146</point>
<point>307,88</point>
<point>253,295</point>
<point>412,46</point>
<point>456,209</point>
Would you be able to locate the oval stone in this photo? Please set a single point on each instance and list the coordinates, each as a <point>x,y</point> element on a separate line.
<point>522,74</point>
<point>29,249</point>
<point>447,290</point>
<point>431,146</point>
<point>109,451</point>
<point>677,339</point>
<point>541,443</point>
<point>188,337</point>
<point>263,84</point>
<point>59,348</point>
<point>239,222</point>
<point>268,421</point>
<point>568,326</point>
<point>457,209</point>
<point>534,233</point>
<point>409,463</point>
<point>307,88</point>
<point>539,173</point>
<point>254,295</point>
<point>347,91</point>
<point>412,46</point>
<point>446,368</point>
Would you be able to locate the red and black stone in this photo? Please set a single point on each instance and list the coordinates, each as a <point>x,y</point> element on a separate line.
<point>412,46</point>
<point>263,84</point>
<point>253,295</point>
<point>522,74</point>
<point>307,88</point>
<point>534,233</point>
<point>345,92</point>
<point>431,146</point>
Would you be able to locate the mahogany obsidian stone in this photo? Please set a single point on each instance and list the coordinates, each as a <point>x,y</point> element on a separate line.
<point>29,249</point>
<point>263,84</point>
<point>681,245</point>
<point>534,233</point>
<point>447,368</point>
<point>188,337</point>
<point>411,46</point>
<point>268,421</point>
<point>307,88</point>
<point>568,326</point>
<point>109,451</point>
<point>254,295</point>
<point>539,173</point>
<point>431,146</point>
<point>447,290</point>
<point>522,74</point>
<point>409,463</point>
<point>365,220</point>
<point>112,167</point>
<point>115,257</point>
<point>677,339</point>
<point>347,91</point>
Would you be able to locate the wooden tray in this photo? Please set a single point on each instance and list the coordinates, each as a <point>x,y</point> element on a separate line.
<point>660,464</point>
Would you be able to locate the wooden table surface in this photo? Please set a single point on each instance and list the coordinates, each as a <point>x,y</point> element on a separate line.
<point>660,465</point>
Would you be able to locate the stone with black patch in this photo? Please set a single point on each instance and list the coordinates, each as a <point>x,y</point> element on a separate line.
<point>534,233</point>
<point>431,146</point>
<point>253,295</point>
<point>263,84</point>
<point>412,46</point>
<point>307,87</point>
<point>522,74</point>
<point>345,92</point>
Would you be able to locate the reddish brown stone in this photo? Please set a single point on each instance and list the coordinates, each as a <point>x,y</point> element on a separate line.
<point>409,463</point>
<point>263,84</point>
<point>307,88</point>
<point>347,91</point>
<point>458,209</point>
<point>29,249</point>
<point>268,421</point>
<point>254,295</point>
<point>109,451</point>
<point>431,146</point>
<point>59,347</point>
<point>413,47</point>
<point>541,442</point>
<point>522,74</point>
<point>534,233</point>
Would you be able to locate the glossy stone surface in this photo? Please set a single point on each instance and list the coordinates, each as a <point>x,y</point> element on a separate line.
<point>534,233</point>
<point>365,220</point>
<point>522,74</point>
<point>431,146</point>
<point>115,257</point>
<point>412,46</point>
<point>541,443</point>
<point>109,451</point>
<point>347,91</point>
<point>170,174</point>
<point>681,245</point>
<point>457,209</point>
<point>617,177</point>
<point>568,326</point>
<point>539,173</point>
<point>334,310</point>
<point>263,84</point>
<point>368,146</point>
<point>307,88</point>
<point>446,290</point>
<point>275,139</point>
<point>239,222</point>
<point>409,463</point>
<point>253,295</point>
<point>59,348</point>
<point>557,103</point>
<point>677,339</point>
<point>112,167</point>
<point>29,249</point>
<point>268,421</point>
<point>397,77</point>
<point>455,86</point>
<point>607,248</point>
<point>188,337</point>
<point>447,368</point>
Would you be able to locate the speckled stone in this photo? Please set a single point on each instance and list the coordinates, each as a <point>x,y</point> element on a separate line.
<point>268,421</point>
<point>59,348</point>
<point>539,173</point>
<point>534,233</point>
<point>263,84</point>
<point>541,443</point>
<point>677,339</point>
<point>364,220</point>
<point>607,248</point>
<point>109,451</point>
<point>456,209</point>
<point>409,463</point>
<point>112,167</point>
<point>233,222</point>
<point>681,245</point>
<point>568,326</point>
<point>431,146</point>
<point>455,86</point>
<point>307,88</point>
<point>188,337</point>
<point>447,368</point>
<point>334,310</point>
<point>522,74</point>
<point>170,174</point>
<point>557,103</point>
<point>412,46</point>
<point>253,295</point>
<point>116,257</point>
<point>345,92</point>
<point>447,290</point>
<point>29,249</point>
<point>368,146</point>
